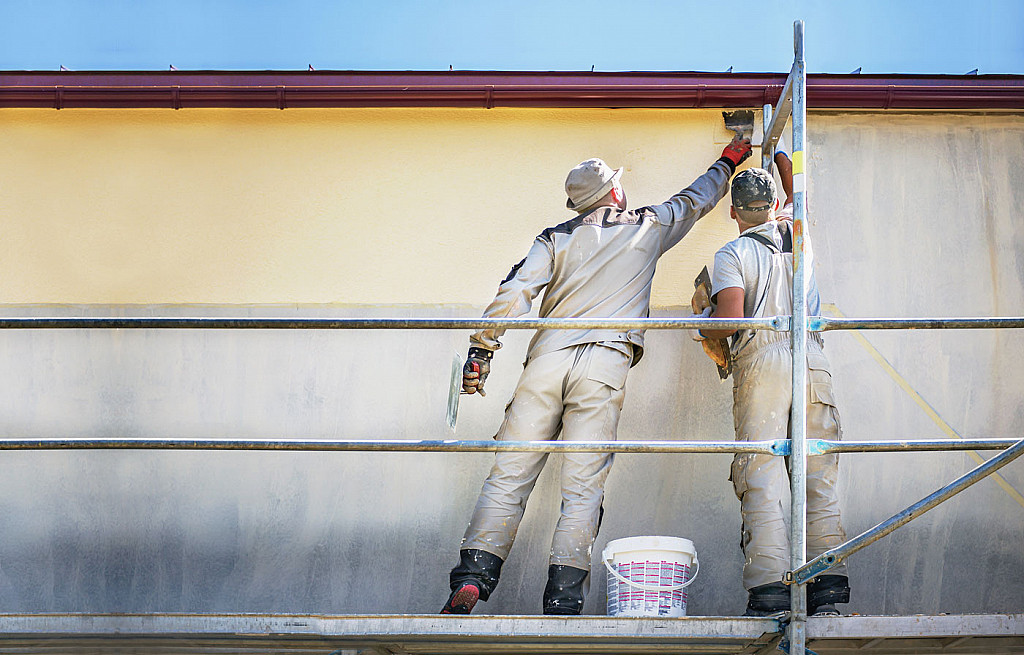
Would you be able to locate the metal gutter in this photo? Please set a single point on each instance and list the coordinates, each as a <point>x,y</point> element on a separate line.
<point>284,89</point>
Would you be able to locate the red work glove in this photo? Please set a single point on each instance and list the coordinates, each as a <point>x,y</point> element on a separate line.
<point>737,151</point>
<point>475,370</point>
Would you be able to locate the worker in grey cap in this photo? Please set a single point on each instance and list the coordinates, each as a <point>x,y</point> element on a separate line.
<point>599,264</point>
<point>753,278</point>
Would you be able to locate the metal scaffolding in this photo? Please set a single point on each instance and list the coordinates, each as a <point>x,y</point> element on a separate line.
<point>408,634</point>
<point>791,105</point>
<point>798,448</point>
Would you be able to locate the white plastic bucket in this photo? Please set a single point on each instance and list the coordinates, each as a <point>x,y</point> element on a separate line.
<point>648,576</point>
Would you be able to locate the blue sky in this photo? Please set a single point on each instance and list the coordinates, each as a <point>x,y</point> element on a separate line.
<point>880,36</point>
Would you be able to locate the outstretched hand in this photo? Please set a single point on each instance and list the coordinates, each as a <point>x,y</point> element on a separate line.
<point>737,151</point>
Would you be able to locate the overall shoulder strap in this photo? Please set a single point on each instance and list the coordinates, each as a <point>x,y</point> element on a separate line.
<point>760,238</point>
<point>787,240</point>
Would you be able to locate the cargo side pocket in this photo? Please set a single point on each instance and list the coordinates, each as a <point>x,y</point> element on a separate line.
<point>608,366</point>
<point>738,473</point>
<point>821,392</point>
<point>820,380</point>
<point>500,434</point>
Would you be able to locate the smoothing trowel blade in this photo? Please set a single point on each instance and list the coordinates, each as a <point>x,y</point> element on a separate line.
<point>741,122</point>
<point>454,386</point>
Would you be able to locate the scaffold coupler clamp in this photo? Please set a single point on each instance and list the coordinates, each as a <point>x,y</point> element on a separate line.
<point>784,647</point>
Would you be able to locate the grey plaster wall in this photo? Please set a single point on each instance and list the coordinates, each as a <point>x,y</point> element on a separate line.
<point>912,216</point>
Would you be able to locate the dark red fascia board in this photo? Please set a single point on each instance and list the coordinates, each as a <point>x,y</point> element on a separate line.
<point>282,89</point>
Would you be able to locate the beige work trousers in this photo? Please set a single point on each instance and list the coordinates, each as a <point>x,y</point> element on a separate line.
<point>579,391</point>
<point>762,397</point>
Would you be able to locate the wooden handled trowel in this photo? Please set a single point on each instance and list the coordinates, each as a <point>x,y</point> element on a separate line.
<point>717,349</point>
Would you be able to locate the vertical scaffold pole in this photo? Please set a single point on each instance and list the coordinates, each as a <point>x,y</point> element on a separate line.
<point>767,153</point>
<point>798,417</point>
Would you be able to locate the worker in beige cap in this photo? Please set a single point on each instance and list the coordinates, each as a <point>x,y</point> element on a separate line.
<point>599,264</point>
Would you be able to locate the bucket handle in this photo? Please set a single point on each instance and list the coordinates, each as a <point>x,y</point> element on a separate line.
<point>618,576</point>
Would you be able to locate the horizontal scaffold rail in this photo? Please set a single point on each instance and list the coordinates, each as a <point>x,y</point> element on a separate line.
<point>823,323</point>
<point>774,323</point>
<point>778,447</point>
<point>824,446</point>
<point>777,323</point>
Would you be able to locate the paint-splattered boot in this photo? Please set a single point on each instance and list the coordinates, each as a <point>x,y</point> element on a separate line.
<point>564,591</point>
<point>767,600</point>
<point>473,579</point>
<point>825,592</point>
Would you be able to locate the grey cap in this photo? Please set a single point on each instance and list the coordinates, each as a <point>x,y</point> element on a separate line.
<point>754,190</point>
<point>589,182</point>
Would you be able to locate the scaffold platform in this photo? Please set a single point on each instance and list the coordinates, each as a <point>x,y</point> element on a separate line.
<point>294,634</point>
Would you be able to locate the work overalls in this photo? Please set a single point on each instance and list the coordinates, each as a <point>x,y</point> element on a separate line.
<point>762,399</point>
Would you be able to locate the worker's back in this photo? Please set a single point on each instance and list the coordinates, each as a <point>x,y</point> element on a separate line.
<point>766,272</point>
<point>600,264</point>
<point>603,266</point>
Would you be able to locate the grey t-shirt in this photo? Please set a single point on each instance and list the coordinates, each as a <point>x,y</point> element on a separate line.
<point>745,263</point>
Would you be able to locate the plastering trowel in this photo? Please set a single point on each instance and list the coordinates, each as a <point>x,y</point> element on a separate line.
<point>717,349</point>
<point>741,122</point>
<point>454,386</point>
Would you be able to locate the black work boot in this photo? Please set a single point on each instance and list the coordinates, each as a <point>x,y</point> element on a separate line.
<point>563,593</point>
<point>473,579</point>
<point>767,600</point>
<point>824,592</point>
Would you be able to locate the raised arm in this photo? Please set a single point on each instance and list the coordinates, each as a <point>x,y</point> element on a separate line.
<point>682,211</point>
<point>785,168</point>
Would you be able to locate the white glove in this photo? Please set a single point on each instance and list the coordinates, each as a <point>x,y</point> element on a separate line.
<point>782,146</point>
<point>697,336</point>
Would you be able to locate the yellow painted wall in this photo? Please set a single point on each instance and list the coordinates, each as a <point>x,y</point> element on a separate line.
<point>911,215</point>
<point>318,206</point>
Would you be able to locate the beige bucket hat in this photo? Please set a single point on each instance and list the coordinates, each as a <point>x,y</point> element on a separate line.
<point>589,182</point>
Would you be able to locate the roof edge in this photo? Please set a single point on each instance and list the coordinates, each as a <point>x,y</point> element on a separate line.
<point>295,89</point>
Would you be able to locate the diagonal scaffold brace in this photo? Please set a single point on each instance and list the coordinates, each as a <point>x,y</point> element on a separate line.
<point>831,558</point>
